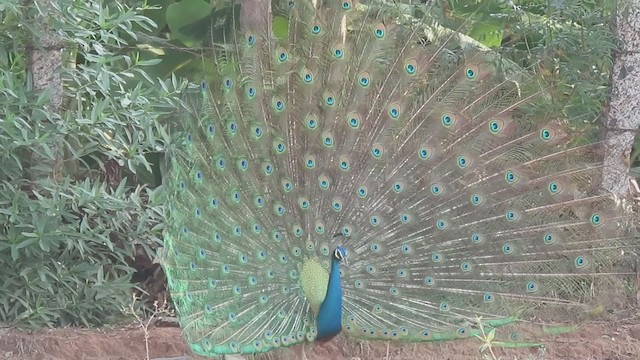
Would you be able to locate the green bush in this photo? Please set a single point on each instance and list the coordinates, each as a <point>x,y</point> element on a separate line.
<point>74,207</point>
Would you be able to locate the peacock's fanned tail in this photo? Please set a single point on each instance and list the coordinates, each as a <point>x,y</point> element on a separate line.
<point>429,158</point>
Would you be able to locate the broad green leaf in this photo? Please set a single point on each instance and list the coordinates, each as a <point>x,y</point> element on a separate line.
<point>183,13</point>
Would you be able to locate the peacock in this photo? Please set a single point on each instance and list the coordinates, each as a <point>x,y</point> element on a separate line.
<point>386,178</point>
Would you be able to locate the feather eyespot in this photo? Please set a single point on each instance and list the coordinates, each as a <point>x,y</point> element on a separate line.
<point>233,346</point>
<point>343,163</point>
<point>323,181</point>
<point>398,187</point>
<point>463,162</point>
<point>211,130</point>
<point>232,127</point>
<point>580,262</point>
<point>488,297</point>
<point>511,177</point>
<point>555,188</point>
<point>495,126</point>
<point>465,266</point>
<point>411,67</point>
<point>282,54</point>
<point>394,111</point>
<point>278,104</point>
<point>364,79</point>
<point>242,164</point>
<point>267,168</point>
<point>327,139</point>
<point>353,120</point>
<point>477,199</point>
<point>549,238</point>
<point>507,249</point>
<point>512,215</point>
<point>303,202</point>
<point>547,134</point>
<point>307,75</point>
<point>228,83</point>
<point>251,39</point>
<point>297,230</point>
<point>310,161</point>
<point>258,201</point>
<point>311,121</point>
<point>448,120</point>
<point>279,146</point>
<point>251,92</point>
<point>377,151</point>
<point>207,344</point>
<point>220,163</point>
<point>338,51</point>
<point>287,185</point>
<point>329,99</point>
<point>471,72</point>
<point>316,29</point>
<point>279,209</point>
<point>256,131</point>
<point>424,153</point>
<point>379,31</point>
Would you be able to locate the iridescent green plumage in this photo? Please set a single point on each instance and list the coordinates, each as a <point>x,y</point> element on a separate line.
<point>313,280</point>
<point>425,155</point>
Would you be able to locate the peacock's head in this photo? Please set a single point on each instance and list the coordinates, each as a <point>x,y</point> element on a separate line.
<point>340,254</point>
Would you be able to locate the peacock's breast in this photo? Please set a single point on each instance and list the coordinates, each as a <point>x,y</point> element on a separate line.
<point>314,280</point>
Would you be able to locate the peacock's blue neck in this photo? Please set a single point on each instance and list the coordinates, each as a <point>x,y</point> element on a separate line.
<point>329,319</point>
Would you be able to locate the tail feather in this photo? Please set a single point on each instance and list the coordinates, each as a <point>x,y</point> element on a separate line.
<point>457,192</point>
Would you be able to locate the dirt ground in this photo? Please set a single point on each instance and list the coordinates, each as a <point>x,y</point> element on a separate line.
<point>614,341</point>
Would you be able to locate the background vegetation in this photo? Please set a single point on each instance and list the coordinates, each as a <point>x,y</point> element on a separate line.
<point>81,202</point>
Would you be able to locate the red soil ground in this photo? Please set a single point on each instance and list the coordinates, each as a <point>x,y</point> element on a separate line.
<point>611,341</point>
